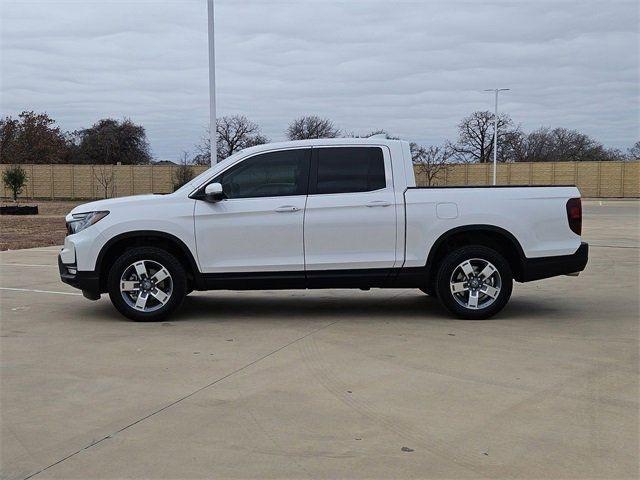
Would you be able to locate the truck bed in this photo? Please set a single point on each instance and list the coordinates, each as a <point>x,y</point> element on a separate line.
<point>534,215</point>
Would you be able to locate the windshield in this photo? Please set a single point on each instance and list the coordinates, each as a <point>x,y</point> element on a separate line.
<point>209,173</point>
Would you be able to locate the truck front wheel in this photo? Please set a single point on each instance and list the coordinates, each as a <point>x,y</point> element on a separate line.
<point>474,282</point>
<point>146,284</point>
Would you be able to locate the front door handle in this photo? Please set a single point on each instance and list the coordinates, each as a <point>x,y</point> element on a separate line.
<point>287,208</point>
<point>378,203</point>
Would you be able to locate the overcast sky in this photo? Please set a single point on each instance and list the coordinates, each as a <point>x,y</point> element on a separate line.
<point>414,68</point>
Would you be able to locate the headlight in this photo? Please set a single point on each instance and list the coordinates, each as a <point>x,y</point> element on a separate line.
<point>83,220</point>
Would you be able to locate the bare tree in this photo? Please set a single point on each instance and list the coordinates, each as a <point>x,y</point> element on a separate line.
<point>430,161</point>
<point>106,179</point>
<point>615,155</point>
<point>235,133</point>
<point>183,172</point>
<point>475,137</point>
<point>559,145</point>
<point>312,126</point>
<point>380,131</point>
<point>634,152</point>
<point>203,157</point>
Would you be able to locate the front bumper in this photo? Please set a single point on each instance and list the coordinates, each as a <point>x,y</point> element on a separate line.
<point>87,281</point>
<point>545,267</point>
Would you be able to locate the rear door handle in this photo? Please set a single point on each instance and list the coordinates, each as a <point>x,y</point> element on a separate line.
<point>287,208</point>
<point>378,203</point>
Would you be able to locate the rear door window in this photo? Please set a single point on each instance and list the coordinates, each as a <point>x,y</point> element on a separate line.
<point>349,169</point>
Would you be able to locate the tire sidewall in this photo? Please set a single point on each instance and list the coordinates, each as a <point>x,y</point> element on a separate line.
<point>427,291</point>
<point>165,259</point>
<point>455,258</point>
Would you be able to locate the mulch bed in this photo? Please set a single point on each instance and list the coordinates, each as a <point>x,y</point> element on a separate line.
<point>19,210</point>
<point>28,231</point>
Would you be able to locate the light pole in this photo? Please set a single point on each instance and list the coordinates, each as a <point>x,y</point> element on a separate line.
<point>495,131</point>
<point>212,84</point>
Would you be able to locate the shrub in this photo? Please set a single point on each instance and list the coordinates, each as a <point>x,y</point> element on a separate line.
<point>15,178</point>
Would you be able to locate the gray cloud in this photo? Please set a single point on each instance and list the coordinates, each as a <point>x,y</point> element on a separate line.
<point>412,67</point>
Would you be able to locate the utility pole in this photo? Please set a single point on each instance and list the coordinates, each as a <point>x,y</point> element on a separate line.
<point>212,84</point>
<point>495,131</point>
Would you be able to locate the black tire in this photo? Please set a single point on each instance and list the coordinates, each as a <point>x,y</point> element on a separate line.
<point>452,264</point>
<point>178,280</point>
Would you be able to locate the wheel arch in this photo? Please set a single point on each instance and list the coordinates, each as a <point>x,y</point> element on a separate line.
<point>120,243</point>
<point>490,236</point>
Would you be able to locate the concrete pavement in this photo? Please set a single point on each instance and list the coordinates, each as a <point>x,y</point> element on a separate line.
<point>327,384</point>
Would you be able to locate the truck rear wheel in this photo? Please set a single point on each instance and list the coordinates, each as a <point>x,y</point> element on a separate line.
<point>474,282</point>
<point>146,284</point>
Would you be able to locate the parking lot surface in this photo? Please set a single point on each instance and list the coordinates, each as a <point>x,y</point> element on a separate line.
<point>327,384</point>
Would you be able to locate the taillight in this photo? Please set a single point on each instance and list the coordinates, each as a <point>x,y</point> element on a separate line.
<point>574,215</point>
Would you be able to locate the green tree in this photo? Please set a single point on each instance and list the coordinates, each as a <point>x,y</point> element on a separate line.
<point>15,179</point>
<point>32,138</point>
<point>111,141</point>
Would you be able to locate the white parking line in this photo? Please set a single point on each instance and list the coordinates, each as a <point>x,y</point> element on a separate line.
<point>38,291</point>
<point>30,250</point>
<point>25,265</point>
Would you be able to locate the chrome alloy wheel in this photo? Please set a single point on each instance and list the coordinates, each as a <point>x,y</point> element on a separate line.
<point>146,285</point>
<point>475,283</point>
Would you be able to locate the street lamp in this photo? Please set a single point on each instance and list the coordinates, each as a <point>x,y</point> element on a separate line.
<point>495,131</point>
<point>212,84</point>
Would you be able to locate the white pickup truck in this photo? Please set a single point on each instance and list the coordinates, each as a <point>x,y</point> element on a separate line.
<point>339,213</point>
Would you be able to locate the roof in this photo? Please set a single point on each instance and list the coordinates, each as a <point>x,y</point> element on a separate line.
<point>316,142</point>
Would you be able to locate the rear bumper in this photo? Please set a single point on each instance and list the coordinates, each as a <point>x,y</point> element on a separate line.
<point>88,282</point>
<point>545,267</point>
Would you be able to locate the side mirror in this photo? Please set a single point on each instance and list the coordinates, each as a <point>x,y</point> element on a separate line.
<point>213,192</point>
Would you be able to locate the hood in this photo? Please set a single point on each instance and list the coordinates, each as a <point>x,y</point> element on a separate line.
<point>115,203</point>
